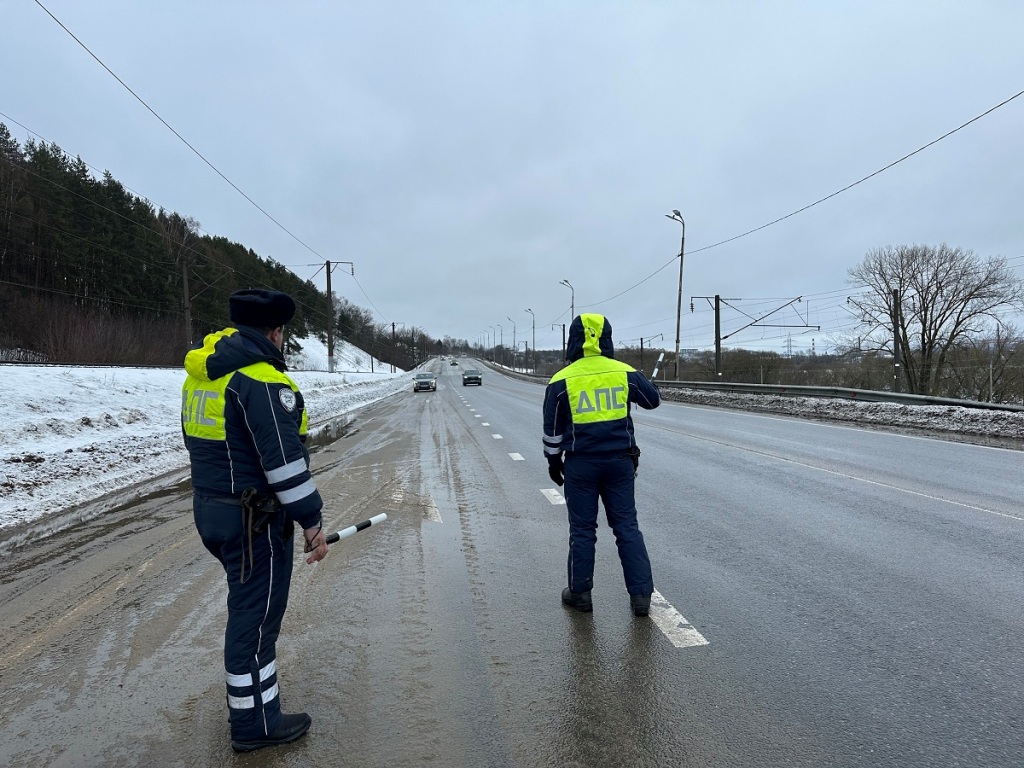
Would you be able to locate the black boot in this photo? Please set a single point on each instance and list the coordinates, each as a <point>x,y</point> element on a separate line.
<point>289,728</point>
<point>578,600</point>
<point>641,604</point>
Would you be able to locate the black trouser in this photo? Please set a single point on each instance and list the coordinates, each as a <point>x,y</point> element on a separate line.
<point>256,607</point>
<point>609,477</point>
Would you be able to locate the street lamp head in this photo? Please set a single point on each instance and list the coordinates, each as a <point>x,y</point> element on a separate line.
<point>677,213</point>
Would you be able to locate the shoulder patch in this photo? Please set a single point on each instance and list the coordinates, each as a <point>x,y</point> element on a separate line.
<point>287,398</point>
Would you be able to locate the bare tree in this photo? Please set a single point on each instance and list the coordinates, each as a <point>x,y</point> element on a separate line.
<point>934,298</point>
<point>988,369</point>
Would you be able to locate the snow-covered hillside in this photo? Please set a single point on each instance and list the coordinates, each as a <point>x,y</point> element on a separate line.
<point>74,434</point>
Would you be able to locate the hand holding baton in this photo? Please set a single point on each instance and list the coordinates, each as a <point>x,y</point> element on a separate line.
<point>344,533</point>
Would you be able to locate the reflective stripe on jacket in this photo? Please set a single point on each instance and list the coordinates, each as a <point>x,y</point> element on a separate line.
<point>244,423</point>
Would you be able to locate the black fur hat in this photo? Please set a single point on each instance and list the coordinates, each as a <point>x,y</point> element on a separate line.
<point>259,308</point>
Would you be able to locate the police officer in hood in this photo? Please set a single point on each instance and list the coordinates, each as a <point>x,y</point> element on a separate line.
<point>244,423</point>
<point>586,419</point>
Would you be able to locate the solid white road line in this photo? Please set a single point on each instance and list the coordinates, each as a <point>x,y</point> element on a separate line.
<point>553,495</point>
<point>676,628</point>
<point>517,457</point>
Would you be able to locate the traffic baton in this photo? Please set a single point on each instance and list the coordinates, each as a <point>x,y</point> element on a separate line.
<point>344,533</point>
<point>657,364</point>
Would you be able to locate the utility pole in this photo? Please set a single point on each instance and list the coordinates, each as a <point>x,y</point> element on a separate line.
<point>649,338</point>
<point>556,325</point>
<point>181,233</point>
<point>897,314</point>
<point>718,340</point>
<point>330,312</point>
<point>330,321</point>
<point>393,347</point>
<point>188,302</point>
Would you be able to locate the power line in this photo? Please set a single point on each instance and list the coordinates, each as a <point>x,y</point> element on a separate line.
<point>816,202</point>
<point>869,176</point>
<point>180,137</point>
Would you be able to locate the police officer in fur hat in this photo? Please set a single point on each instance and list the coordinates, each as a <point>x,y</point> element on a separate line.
<point>244,423</point>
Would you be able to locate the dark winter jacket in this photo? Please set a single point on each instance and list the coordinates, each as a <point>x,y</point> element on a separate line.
<point>587,403</point>
<point>244,422</point>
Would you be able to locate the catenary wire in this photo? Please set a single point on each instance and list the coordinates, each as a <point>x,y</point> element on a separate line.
<point>816,202</point>
<point>172,130</point>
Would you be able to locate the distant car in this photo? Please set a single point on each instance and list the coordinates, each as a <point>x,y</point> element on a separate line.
<point>472,376</point>
<point>426,382</point>
<point>455,362</point>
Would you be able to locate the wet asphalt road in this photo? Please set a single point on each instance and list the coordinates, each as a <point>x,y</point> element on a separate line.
<point>860,594</point>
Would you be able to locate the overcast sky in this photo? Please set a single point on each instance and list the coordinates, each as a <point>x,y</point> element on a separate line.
<point>469,155</point>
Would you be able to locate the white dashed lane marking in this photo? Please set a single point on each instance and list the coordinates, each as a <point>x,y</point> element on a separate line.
<point>478,416</point>
<point>553,495</point>
<point>517,457</point>
<point>433,515</point>
<point>497,437</point>
<point>485,424</point>
<point>675,627</point>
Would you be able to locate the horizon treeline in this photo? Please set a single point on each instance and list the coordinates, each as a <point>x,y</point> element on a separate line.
<point>92,273</point>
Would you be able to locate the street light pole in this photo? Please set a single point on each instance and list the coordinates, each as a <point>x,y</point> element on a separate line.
<point>677,216</point>
<point>515,348</point>
<point>494,339</point>
<point>572,305</point>
<point>501,345</point>
<point>534,339</point>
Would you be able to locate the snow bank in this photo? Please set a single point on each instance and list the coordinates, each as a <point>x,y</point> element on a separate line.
<point>74,434</point>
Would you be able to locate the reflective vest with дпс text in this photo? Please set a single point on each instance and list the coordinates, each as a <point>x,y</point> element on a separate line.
<point>245,424</point>
<point>594,415</point>
<point>599,396</point>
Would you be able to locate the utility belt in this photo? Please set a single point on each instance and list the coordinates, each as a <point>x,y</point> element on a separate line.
<point>259,511</point>
<point>632,453</point>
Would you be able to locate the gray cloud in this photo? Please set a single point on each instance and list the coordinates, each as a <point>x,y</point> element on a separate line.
<point>468,156</point>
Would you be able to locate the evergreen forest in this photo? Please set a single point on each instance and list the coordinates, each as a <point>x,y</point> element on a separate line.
<point>92,273</point>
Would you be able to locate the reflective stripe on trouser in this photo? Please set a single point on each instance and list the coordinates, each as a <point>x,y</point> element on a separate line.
<point>610,478</point>
<point>255,611</point>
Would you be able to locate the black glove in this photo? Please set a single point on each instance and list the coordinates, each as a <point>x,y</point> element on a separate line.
<point>555,469</point>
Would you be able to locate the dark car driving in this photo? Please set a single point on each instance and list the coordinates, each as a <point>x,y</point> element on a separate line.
<point>472,376</point>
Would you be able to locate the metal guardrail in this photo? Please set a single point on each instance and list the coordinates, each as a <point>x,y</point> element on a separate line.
<point>842,393</point>
<point>797,390</point>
